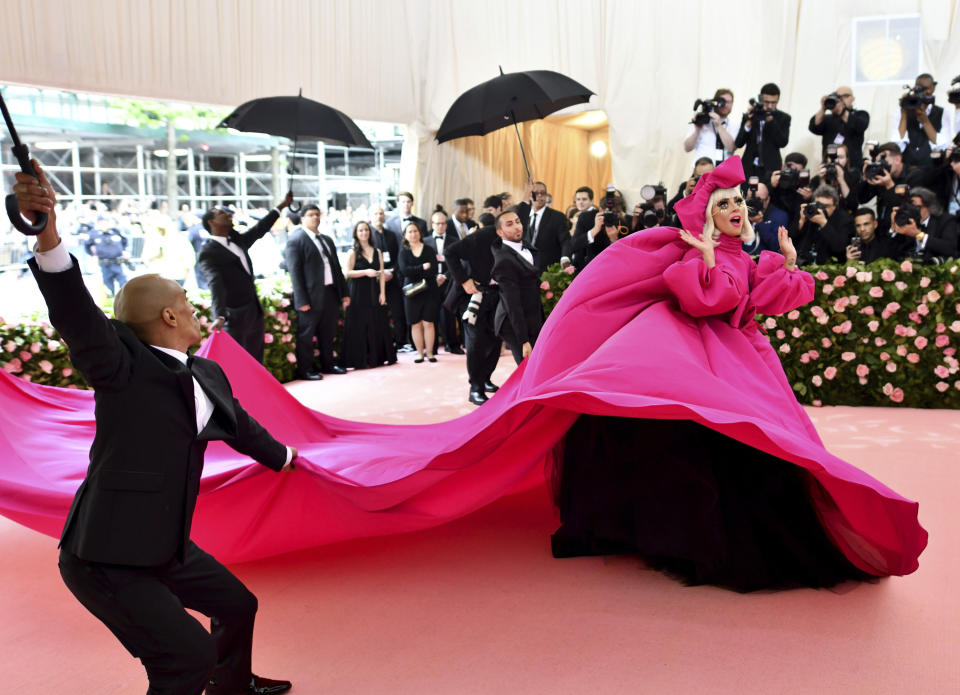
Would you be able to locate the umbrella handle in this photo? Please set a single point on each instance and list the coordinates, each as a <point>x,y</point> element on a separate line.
<point>294,206</point>
<point>22,153</point>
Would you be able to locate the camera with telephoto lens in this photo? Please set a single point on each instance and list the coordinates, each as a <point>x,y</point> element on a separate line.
<point>905,213</point>
<point>954,156</point>
<point>915,98</point>
<point>704,107</point>
<point>652,215</point>
<point>758,111</point>
<point>791,179</point>
<point>753,199</point>
<point>877,166</point>
<point>473,309</point>
<point>610,217</point>
<point>953,94</point>
<point>831,101</point>
<point>811,210</point>
<point>830,173</point>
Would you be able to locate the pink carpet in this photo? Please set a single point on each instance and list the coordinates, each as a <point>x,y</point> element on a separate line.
<point>480,606</point>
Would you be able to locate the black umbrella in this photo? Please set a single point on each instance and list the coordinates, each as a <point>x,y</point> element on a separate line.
<point>510,98</point>
<point>298,119</point>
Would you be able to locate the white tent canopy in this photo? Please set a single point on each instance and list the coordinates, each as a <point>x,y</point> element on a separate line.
<point>406,61</point>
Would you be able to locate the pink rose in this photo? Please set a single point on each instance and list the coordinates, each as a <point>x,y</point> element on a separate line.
<point>851,271</point>
<point>10,346</point>
<point>862,370</point>
<point>66,371</point>
<point>955,326</point>
<point>940,328</point>
<point>827,289</point>
<point>913,358</point>
<point>805,358</point>
<point>915,317</point>
<point>902,350</point>
<point>950,352</point>
<point>46,366</point>
<point>770,324</point>
<point>848,356</point>
<point>27,377</point>
<point>780,335</point>
<point>13,366</point>
<point>924,281</point>
<point>933,296</point>
<point>796,332</point>
<point>941,371</point>
<point>879,342</point>
<point>284,302</point>
<point>873,326</point>
<point>544,285</point>
<point>286,338</point>
<point>268,338</point>
<point>897,396</point>
<point>846,327</point>
<point>888,275</point>
<point>942,341</point>
<point>25,355</point>
<point>35,348</point>
<point>549,295</point>
<point>839,281</point>
<point>906,267</point>
<point>816,380</point>
<point>863,381</point>
<point>923,310</point>
<point>891,367</point>
<point>53,345</point>
<point>817,311</point>
<point>817,402</point>
<point>830,372</point>
<point>569,270</point>
<point>868,310</point>
<point>814,355</point>
<point>911,331</point>
<point>920,342</point>
<point>840,304</point>
<point>826,342</point>
<point>887,389</point>
<point>942,386</point>
<point>785,348</point>
<point>900,285</point>
<point>291,358</point>
<point>823,320</point>
<point>900,330</point>
<point>865,276</point>
<point>821,275</point>
<point>793,315</point>
<point>853,299</point>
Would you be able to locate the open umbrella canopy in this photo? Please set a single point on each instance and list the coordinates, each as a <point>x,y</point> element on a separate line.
<point>296,118</point>
<point>508,99</point>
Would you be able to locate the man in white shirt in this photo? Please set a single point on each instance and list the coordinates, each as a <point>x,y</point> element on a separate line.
<point>920,128</point>
<point>715,138</point>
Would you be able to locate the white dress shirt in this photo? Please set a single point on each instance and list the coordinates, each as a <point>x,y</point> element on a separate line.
<point>943,135</point>
<point>519,248</point>
<point>706,144</point>
<point>234,249</point>
<point>327,270</point>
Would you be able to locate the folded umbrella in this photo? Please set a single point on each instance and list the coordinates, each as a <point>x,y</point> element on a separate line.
<point>510,98</point>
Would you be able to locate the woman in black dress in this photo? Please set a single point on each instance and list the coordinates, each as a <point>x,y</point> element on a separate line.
<point>366,327</point>
<point>418,262</point>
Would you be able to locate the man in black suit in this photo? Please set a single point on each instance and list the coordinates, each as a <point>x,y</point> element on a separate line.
<point>460,221</point>
<point>923,128</point>
<point>926,233</point>
<point>225,262</point>
<point>389,245</point>
<point>824,229</point>
<point>765,131</point>
<point>583,200</point>
<point>442,237</point>
<point>585,247</point>
<point>519,314</point>
<point>396,223</point>
<point>547,231</point>
<point>126,552</point>
<point>470,262</point>
<point>841,125</point>
<point>319,292</point>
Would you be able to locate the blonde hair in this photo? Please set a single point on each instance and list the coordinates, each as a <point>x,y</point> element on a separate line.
<point>746,233</point>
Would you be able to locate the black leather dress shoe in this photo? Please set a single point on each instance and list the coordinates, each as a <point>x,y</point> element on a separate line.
<point>310,376</point>
<point>477,397</point>
<point>455,350</point>
<point>266,686</point>
<point>490,387</point>
<point>335,369</point>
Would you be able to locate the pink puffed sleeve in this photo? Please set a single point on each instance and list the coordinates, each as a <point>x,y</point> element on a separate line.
<point>776,290</point>
<point>704,291</point>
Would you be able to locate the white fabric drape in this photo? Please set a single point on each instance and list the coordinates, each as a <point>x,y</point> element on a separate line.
<point>406,61</point>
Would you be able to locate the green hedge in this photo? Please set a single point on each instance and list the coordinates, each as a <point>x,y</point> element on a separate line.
<point>883,335</point>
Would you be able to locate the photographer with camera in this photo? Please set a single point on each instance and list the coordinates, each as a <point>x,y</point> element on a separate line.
<point>867,246</point>
<point>943,178</point>
<point>790,187</point>
<point>838,123</point>
<point>824,229</point>
<point>921,126</point>
<point>835,170</point>
<point>608,225</point>
<point>700,167</point>
<point>655,211</point>
<point>714,129</point>
<point>764,130</point>
<point>925,231</point>
<point>765,217</point>
<point>881,178</point>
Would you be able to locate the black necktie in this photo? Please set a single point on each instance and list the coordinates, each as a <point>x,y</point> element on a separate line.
<point>533,230</point>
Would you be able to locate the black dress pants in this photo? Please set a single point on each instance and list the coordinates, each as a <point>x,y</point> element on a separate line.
<point>397,312</point>
<point>320,322</point>
<point>483,345</point>
<point>144,609</point>
<point>245,325</point>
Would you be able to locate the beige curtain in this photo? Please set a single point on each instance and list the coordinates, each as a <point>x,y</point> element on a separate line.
<point>407,60</point>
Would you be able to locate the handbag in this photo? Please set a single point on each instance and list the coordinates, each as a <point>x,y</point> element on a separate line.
<point>412,288</point>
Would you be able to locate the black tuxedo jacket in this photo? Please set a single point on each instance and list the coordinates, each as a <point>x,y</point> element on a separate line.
<point>393,223</point>
<point>942,237</point>
<point>135,506</point>
<point>231,287</point>
<point>305,265</point>
<point>583,251</point>
<point>852,131</point>
<point>452,227</point>
<point>553,235</point>
<point>450,237</point>
<point>827,244</point>
<point>519,283</point>
<point>471,257</point>
<point>776,133</point>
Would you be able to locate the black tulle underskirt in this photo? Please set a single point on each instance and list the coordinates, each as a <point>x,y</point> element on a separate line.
<point>692,502</point>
